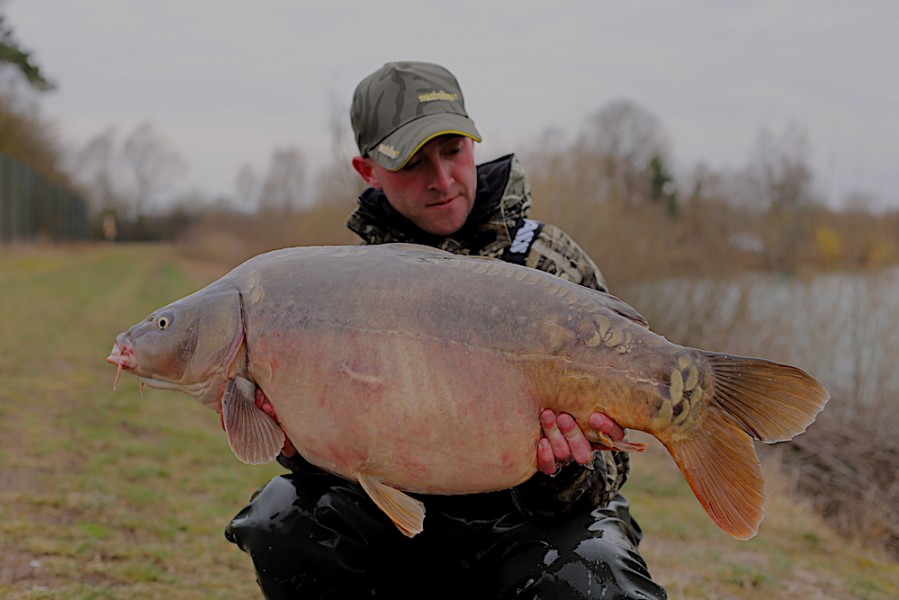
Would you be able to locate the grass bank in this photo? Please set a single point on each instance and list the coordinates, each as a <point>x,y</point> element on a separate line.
<point>112,495</point>
<point>106,494</point>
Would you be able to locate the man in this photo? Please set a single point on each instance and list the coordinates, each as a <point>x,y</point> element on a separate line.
<point>566,533</point>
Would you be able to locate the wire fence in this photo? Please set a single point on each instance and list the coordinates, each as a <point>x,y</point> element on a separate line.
<point>33,208</point>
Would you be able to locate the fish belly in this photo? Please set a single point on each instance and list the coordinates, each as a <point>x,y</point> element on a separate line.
<point>422,415</point>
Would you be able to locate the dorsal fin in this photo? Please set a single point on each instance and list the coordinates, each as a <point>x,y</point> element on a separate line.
<point>622,308</point>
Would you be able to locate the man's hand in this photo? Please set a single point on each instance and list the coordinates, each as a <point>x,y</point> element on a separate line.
<point>565,441</point>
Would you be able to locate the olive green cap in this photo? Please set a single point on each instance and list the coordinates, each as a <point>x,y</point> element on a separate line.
<point>403,105</point>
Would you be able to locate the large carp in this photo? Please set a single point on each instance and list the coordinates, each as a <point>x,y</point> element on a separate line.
<point>411,369</point>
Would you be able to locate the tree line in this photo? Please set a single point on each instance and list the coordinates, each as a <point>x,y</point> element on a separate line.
<point>613,186</point>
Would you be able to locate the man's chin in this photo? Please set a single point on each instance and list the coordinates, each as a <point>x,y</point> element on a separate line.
<point>443,227</point>
<point>443,219</point>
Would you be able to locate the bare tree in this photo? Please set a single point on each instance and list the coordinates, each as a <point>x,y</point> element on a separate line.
<point>129,177</point>
<point>337,182</point>
<point>780,178</point>
<point>780,169</point>
<point>94,168</point>
<point>153,166</point>
<point>248,189</point>
<point>283,187</point>
<point>624,139</point>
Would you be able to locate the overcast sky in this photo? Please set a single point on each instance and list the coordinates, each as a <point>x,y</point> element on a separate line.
<point>227,81</point>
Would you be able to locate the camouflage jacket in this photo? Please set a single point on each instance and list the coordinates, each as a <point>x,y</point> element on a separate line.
<point>498,227</point>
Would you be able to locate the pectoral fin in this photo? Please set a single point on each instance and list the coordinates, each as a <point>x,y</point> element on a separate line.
<point>254,437</point>
<point>407,513</point>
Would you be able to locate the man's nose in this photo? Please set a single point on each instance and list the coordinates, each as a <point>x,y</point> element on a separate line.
<point>441,178</point>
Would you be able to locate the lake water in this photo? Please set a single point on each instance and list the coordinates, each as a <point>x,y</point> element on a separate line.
<point>841,328</point>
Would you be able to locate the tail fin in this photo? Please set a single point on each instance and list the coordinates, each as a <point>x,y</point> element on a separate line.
<point>770,401</point>
<point>753,398</point>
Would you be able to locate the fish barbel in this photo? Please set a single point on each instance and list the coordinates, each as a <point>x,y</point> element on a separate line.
<point>409,369</point>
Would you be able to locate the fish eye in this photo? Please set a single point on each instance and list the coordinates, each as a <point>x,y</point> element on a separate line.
<point>163,321</point>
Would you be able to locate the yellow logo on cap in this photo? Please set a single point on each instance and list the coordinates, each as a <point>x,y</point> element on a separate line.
<point>441,95</point>
<point>388,150</point>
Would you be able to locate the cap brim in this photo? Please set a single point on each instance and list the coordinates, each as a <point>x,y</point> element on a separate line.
<point>394,151</point>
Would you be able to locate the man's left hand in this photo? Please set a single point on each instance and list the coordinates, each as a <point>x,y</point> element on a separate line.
<point>564,441</point>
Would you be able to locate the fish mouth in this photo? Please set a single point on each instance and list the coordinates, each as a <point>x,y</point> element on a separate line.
<point>122,355</point>
<point>123,358</point>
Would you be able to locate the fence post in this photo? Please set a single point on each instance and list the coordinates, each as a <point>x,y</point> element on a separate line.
<point>32,205</point>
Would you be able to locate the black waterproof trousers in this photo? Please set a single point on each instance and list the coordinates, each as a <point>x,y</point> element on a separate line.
<point>318,536</point>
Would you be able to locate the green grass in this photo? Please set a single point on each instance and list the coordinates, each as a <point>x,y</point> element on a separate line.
<point>795,554</point>
<point>111,495</point>
<point>106,494</point>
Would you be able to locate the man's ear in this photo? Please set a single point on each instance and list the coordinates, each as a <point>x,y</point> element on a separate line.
<point>367,171</point>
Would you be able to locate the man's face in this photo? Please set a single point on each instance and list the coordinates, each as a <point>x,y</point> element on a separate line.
<point>436,189</point>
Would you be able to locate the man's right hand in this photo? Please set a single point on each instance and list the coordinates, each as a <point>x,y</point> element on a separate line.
<point>564,441</point>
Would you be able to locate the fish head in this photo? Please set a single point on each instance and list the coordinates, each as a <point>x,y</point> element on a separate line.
<point>185,346</point>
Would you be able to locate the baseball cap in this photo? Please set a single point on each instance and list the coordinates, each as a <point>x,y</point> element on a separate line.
<point>403,105</point>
